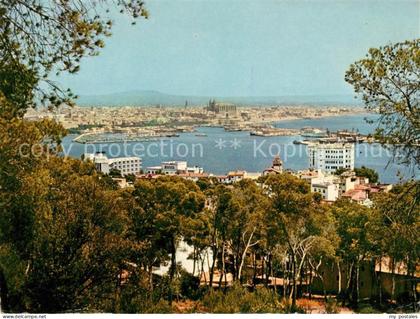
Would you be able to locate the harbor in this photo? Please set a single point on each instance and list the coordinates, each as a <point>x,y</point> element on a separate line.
<point>150,134</point>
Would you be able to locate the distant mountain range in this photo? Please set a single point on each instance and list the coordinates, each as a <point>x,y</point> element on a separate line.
<point>145,98</point>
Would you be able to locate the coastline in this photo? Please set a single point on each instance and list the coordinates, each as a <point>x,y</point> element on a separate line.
<point>296,118</point>
<point>147,134</point>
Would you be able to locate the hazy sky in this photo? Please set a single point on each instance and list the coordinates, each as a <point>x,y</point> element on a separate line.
<point>244,48</point>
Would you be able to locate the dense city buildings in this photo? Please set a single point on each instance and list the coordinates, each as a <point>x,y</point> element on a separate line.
<point>330,185</point>
<point>153,120</point>
<point>224,108</point>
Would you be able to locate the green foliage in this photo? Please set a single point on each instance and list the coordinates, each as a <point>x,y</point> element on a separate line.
<point>399,213</point>
<point>131,178</point>
<point>331,306</point>
<point>16,87</point>
<point>189,286</point>
<point>367,172</point>
<point>108,183</point>
<point>39,37</point>
<point>340,171</point>
<point>239,300</point>
<point>366,309</point>
<point>398,230</point>
<point>74,241</point>
<point>115,172</point>
<point>136,296</point>
<point>355,226</point>
<point>388,81</point>
<point>163,212</point>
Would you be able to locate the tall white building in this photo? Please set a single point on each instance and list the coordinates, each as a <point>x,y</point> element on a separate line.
<point>328,157</point>
<point>126,165</point>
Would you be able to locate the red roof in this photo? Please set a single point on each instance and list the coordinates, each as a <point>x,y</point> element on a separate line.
<point>356,194</point>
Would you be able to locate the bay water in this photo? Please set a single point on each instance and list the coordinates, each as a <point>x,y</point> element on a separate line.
<point>219,151</point>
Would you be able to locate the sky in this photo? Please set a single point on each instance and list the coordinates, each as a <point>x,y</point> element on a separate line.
<point>242,47</point>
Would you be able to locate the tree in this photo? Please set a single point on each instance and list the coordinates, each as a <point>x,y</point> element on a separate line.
<point>292,225</point>
<point>131,178</point>
<point>115,172</point>
<point>39,37</point>
<point>166,207</point>
<point>220,214</point>
<point>340,171</point>
<point>245,226</point>
<point>62,228</point>
<point>371,174</point>
<point>356,229</point>
<point>399,231</point>
<point>388,80</point>
<point>323,226</point>
<point>71,244</point>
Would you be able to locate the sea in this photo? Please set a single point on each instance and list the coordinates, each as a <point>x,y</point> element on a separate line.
<point>219,151</point>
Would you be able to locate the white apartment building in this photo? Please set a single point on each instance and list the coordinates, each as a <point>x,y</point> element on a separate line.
<point>174,168</point>
<point>332,187</point>
<point>328,157</point>
<point>326,186</point>
<point>126,165</point>
<point>349,180</point>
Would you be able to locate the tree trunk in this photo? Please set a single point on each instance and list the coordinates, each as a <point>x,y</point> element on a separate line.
<point>194,254</point>
<point>294,287</point>
<point>324,290</point>
<point>285,278</point>
<point>263,274</point>
<point>203,271</point>
<point>223,266</point>
<point>339,277</point>
<point>393,280</point>
<point>293,291</point>
<point>236,259</point>
<point>4,302</point>
<point>213,262</point>
<point>150,274</point>
<point>117,291</point>
<point>243,257</point>
<point>276,283</point>
<point>300,283</point>
<point>380,280</point>
<point>310,282</point>
<point>172,269</point>
<point>358,282</point>
<point>254,277</point>
<point>411,272</point>
<point>349,280</point>
<point>269,268</point>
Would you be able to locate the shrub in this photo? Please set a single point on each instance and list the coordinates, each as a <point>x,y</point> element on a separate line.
<point>366,309</point>
<point>189,286</point>
<point>239,300</point>
<point>331,306</point>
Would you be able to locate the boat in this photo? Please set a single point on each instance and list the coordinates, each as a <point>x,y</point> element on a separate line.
<point>314,133</point>
<point>201,134</point>
<point>232,129</point>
